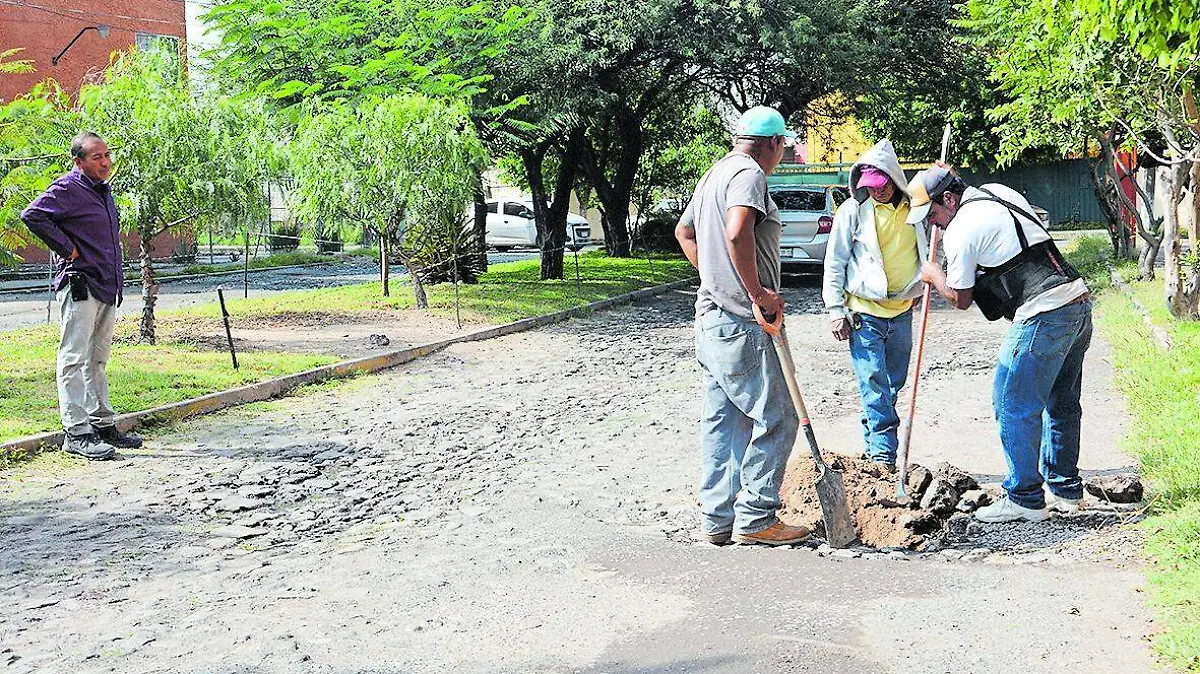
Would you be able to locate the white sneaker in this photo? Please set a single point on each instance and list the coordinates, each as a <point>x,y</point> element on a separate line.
<point>1005,510</point>
<point>1058,504</point>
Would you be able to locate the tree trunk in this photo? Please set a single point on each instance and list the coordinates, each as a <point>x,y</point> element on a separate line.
<point>1179,303</point>
<point>383,264</point>
<point>1114,200</point>
<point>615,193</point>
<point>560,206</point>
<point>533,160</point>
<point>419,296</point>
<point>1151,231</point>
<point>149,289</point>
<point>479,232</point>
<point>1191,288</point>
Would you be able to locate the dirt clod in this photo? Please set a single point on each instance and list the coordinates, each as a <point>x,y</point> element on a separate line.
<point>882,519</point>
<point>1121,488</point>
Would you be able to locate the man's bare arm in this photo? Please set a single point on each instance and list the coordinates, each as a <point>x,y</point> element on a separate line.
<point>960,298</point>
<point>685,234</point>
<point>739,239</point>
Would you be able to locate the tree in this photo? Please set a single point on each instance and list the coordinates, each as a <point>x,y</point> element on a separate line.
<point>293,51</point>
<point>35,133</point>
<point>176,158</point>
<point>1166,37</point>
<point>1057,89</point>
<point>1067,91</point>
<point>933,87</point>
<point>405,165</point>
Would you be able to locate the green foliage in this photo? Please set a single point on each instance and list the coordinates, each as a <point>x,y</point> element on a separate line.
<point>681,145</point>
<point>942,80</point>
<point>1166,32</point>
<point>404,165</point>
<point>389,162</point>
<point>294,50</point>
<point>178,157</point>
<point>11,66</point>
<point>35,132</point>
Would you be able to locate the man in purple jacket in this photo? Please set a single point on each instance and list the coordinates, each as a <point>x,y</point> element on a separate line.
<point>77,219</point>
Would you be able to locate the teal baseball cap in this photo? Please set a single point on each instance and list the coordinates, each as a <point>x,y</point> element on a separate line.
<point>763,121</point>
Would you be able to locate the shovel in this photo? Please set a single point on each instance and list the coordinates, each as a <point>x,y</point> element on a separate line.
<point>831,490</point>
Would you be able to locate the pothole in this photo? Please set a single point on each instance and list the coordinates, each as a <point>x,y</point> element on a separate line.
<point>937,514</point>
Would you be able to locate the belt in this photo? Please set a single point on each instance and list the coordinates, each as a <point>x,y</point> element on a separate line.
<point>1087,296</point>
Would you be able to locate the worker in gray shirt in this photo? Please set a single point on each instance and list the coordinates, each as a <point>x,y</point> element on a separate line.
<point>730,232</point>
<point>76,217</point>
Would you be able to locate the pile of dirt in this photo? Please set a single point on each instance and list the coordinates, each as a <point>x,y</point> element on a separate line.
<point>882,520</point>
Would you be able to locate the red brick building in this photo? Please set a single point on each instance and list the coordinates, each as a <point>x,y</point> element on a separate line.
<point>43,28</point>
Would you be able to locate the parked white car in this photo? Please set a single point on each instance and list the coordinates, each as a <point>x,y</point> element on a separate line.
<point>510,225</point>
<point>807,215</point>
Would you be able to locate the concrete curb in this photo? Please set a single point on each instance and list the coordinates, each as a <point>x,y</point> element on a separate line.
<point>272,388</point>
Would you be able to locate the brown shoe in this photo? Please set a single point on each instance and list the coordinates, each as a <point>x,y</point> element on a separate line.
<point>776,534</point>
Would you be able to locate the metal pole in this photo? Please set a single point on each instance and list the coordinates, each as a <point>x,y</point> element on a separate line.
<point>210,253</point>
<point>457,308</point>
<point>246,267</point>
<point>228,334</point>
<point>578,282</point>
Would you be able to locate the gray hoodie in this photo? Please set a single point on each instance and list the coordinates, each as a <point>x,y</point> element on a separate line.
<point>853,260</point>
<point>882,156</point>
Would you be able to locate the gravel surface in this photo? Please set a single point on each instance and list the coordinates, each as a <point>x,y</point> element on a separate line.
<point>522,505</point>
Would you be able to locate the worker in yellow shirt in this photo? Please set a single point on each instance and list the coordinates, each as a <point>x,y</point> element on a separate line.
<point>872,275</point>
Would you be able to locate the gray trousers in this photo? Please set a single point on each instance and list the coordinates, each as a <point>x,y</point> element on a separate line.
<point>87,333</point>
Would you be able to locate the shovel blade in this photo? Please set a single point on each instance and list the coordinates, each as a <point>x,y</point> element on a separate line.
<point>835,509</point>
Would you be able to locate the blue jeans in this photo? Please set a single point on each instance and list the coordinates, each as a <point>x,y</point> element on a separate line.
<point>879,352</point>
<point>748,426</point>
<point>1039,375</point>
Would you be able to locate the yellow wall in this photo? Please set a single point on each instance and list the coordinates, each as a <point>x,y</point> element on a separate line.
<point>833,137</point>
<point>839,143</point>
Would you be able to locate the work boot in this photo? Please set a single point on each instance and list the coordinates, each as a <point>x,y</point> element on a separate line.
<point>776,534</point>
<point>886,466</point>
<point>715,538</point>
<point>1005,510</point>
<point>116,438</point>
<point>1065,506</point>
<point>88,446</point>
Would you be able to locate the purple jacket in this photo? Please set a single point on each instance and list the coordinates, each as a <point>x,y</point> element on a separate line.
<point>76,213</point>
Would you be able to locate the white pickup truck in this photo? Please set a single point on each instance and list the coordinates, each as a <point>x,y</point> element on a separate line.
<point>510,225</point>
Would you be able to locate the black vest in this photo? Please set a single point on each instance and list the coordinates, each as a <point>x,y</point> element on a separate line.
<point>1001,290</point>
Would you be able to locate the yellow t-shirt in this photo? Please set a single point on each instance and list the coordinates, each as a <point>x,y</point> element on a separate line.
<point>898,244</point>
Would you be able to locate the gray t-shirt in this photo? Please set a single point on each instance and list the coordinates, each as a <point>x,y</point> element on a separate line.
<point>735,180</point>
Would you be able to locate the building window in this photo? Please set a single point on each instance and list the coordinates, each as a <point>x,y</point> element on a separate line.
<point>148,41</point>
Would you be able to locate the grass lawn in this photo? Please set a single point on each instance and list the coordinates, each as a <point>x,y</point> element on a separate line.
<point>142,376</point>
<point>277,260</point>
<point>1163,390</point>
<point>507,292</point>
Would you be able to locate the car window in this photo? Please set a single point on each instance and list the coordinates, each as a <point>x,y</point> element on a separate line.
<point>799,200</point>
<point>839,195</point>
<point>514,209</point>
<point>491,206</point>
